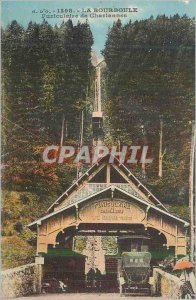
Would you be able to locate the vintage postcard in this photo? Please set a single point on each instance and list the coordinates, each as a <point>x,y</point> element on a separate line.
<point>98,139</point>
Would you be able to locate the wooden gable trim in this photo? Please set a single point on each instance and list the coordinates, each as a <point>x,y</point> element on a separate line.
<point>76,187</point>
<point>128,174</point>
<point>149,194</point>
<point>131,183</point>
<point>112,188</point>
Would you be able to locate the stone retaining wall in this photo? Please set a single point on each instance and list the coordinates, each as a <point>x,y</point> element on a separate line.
<point>166,285</point>
<point>21,281</point>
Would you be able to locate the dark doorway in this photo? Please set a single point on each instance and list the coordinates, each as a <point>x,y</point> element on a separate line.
<point>67,266</point>
<point>111,267</point>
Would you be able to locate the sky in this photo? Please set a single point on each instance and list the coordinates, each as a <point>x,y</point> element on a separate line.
<point>22,11</point>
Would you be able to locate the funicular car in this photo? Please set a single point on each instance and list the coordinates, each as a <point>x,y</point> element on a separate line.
<point>134,266</point>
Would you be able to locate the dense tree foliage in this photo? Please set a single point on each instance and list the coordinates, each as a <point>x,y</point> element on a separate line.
<point>150,76</point>
<point>46,74</point>
<point>46,77</point>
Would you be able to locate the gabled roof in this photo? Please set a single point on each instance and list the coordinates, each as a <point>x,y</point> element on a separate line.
<point>92,169</point>
<point>112,188</point>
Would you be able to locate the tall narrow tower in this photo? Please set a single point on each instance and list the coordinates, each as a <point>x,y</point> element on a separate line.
<point>97,117</point>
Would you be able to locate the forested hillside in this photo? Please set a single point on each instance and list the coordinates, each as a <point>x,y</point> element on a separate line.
<point>149,80</point>
<point>48,80</point>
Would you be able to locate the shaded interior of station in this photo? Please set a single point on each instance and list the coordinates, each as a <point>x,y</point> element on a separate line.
<point>67,265</point>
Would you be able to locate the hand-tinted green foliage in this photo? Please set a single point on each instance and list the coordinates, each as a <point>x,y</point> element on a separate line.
<point>150,75</point>
<point>45,75</point>
<point>16,252</point>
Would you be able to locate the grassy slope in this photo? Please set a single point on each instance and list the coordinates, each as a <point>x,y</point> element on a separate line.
<point>16,252</point>
<point>18,242</point>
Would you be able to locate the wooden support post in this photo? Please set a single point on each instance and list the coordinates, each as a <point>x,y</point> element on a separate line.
<point>176,246</point>
<point>146,217</point>
<point>62,221</point>
<point>77,215</point>
<point>161,222</point>
<point>112,191</point>
<point>38,232</point>
<point>108,174</point>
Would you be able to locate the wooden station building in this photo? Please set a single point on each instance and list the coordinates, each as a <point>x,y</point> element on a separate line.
<point>84,227</point>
